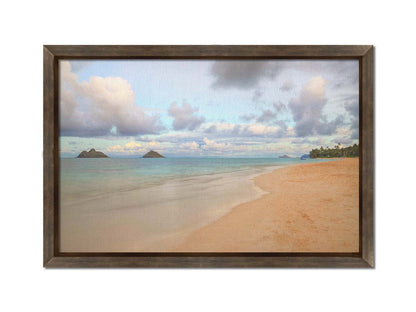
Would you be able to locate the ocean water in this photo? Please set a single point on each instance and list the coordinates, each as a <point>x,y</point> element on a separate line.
<point>145,204</point>
<point>93,176</point>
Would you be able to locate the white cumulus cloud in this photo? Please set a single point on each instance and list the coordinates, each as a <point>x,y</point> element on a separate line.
<point>100,106</point>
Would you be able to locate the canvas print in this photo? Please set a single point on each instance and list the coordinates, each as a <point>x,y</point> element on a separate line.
<point>209,156</point>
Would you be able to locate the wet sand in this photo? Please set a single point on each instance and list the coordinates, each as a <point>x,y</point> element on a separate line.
<point>309,208</point>
<point>155,218</point>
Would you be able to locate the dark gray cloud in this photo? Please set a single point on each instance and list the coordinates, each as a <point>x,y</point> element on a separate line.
<point>242,74</point>
<point>307,110</point>
<point>257,95</point>
<point>184,117</point>
<point>287,86</point>
<point>248,74</point>
<point>267,116</point>
<point>282,124</point>
<point>280,107</point>
<point>352,107</point>
<point>329,127</point>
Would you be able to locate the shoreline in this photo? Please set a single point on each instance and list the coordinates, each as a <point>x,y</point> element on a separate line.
<point>311,207</point>
<point>155,218</point>
<point>72,192</point>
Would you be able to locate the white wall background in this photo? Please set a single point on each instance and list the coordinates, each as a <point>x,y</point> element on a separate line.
<point>27,25</point>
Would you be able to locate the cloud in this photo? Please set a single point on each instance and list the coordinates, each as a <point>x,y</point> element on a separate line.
<point>184,117</point>
<point>211,144</point>
<point>220,147</point>
<point>100,106</point>
<point>133,145</point>
<point>249,74</point>
<point>257,95</point>
<point>266,148</point>
<point>172,137</point>
<point>266,116</point>
<point>330,127</point>
<point>310,141</point>
<point>229,139</point>
<point>225,129</point>
<point>247,117</point>
<point>343,140</point>
<point>189,145</point>
<point>133,148</point>
<point>280,107</point>
<point>287,86</point>
<point>242,74</point>
<point>307,110</point>
<point>77,65</point>
<point>153,144</point>
<point>352,108</point>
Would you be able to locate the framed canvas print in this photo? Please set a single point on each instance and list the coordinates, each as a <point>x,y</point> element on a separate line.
<point>208,156</point>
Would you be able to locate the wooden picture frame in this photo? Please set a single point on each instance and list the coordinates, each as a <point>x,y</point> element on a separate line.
<point>53,258</point>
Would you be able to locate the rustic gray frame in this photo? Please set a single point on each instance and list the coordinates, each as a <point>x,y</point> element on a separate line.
<point>54,258</point>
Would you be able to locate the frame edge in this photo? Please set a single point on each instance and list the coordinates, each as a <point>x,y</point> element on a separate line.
<point>48,156</point>
<point>207,262</point>
<point>368,157</point>
<point>206,51</point>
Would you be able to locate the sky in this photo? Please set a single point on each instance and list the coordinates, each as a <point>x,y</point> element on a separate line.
<point>204,108</point>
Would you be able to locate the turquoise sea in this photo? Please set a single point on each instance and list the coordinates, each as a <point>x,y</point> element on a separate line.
<point>121,173</point>
<point>146,170</point>
<point>140,204</point>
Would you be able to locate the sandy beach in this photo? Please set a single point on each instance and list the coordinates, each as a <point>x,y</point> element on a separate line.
<point>308,208</point>
<point>303,207</point>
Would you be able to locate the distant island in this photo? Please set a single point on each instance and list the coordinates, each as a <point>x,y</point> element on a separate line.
<point>92,154</point>
<point>284,156</point>
<point>337,151</point>
<point>153,154</point>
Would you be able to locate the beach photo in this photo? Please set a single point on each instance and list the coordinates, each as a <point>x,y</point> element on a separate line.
<point>256,156</point>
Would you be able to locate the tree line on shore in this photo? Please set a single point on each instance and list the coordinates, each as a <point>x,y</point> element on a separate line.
<point>337,151</point>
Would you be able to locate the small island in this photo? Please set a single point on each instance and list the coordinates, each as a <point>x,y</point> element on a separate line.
<point>92,154</point>
<point>153,154</point>
<point>284,156</point>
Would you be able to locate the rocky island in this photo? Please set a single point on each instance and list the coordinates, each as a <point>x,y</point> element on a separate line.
<point>153,154</point>
<point>92,154</point>
<point>284,156</point>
